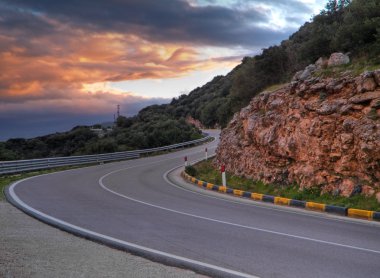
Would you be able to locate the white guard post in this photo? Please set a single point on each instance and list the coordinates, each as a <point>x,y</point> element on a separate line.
<point>223,170</point>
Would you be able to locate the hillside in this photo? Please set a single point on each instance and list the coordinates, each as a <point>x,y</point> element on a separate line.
<point>346,26</point>
<point>146,130</point>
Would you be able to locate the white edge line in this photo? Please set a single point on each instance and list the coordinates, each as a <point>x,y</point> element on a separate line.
<point>154,251</point>
<point>125,243</point>
<point>269,206</point>
<point>229,223</point>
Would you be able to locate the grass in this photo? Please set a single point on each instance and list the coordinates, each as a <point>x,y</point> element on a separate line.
<point>355,68</point>
<point>275,87</point>
<point>205,171</point>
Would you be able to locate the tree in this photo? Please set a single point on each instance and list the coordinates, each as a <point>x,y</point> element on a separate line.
<point>336,6</point>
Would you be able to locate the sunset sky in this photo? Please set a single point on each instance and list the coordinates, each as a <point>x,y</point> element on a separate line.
<point>66,63</point>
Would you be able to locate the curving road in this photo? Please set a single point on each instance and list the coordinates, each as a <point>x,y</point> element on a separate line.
<point>143,207</point>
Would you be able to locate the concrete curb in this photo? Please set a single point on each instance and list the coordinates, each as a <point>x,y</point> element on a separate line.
<point>342,211</point>
<point>134,249</point>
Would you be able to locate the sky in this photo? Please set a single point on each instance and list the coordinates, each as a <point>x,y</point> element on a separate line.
<point>68,63</point>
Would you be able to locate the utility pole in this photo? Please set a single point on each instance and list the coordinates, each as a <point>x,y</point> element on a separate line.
<point>118,111</point>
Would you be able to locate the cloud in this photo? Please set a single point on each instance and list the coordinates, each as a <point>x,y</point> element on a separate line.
<point>175,21</point>
<point>74,58</point>
<point>55,55</point>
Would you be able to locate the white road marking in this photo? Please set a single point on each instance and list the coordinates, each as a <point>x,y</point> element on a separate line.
<point>230,223</point>
<point>269,206</point>
<point>122,242</point>
<point>15,197</point>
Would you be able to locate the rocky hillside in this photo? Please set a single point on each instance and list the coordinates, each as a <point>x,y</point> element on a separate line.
<point>315,131</point>
<point>348,26</point>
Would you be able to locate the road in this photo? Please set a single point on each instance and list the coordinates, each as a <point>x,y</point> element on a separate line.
<point>134,205</point>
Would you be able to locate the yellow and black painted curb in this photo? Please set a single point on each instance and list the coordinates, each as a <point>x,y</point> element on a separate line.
<point>344,211</point>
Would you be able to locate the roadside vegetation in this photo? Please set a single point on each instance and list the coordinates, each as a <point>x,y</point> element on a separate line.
<point>206,171</point>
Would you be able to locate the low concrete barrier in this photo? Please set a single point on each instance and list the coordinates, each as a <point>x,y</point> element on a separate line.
<point>360,213</point>
<point>315,206</point>
<point>343,211</point>
<point>336,210</point>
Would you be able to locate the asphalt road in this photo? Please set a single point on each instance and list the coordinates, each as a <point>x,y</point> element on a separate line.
<point>136,206</point>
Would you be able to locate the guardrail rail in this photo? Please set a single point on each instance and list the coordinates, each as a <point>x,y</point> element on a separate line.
<point>16,166</point>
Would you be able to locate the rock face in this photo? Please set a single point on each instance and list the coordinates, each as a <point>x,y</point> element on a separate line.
<point>192,121</point>
<point>314,132</point>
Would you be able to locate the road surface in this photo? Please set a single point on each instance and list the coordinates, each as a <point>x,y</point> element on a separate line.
<point>133,205</point>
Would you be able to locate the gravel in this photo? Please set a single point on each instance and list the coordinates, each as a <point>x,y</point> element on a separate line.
<point>29,248</point>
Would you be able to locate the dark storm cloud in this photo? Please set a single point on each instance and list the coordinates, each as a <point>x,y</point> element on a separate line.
<point>164,20</point>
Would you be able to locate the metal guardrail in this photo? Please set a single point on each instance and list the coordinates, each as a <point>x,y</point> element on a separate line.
<point>8,167</point>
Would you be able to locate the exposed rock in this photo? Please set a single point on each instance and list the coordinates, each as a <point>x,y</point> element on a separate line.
<point>337,59</point>
<point>376,76</point>
<point>192,121</point>
<point>375,103</point>
<point>305,74</point>
<point>297,75</point>
<point>321,63</point>
<point>368,191</point>
<point>318,87</point>
<point>366,83</point>
<point>309,134</point>
<point>365,97</point>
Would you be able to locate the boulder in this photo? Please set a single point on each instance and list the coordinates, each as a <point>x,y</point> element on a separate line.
<point>337,59</point>
<point>305,74</point>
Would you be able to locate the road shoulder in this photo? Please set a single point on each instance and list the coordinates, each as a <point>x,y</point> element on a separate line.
<point>30,248</point>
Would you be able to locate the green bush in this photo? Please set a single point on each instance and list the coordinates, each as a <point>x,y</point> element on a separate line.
<point>190,170</point>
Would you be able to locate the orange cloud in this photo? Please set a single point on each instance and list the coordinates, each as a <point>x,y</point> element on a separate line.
<point>60,66</point>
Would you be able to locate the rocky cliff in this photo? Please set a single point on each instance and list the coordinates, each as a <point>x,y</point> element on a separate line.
<point>314,131</point>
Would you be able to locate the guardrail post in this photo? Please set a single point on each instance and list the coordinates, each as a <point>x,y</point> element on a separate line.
<point>206,154</point>
<point>223,170</point>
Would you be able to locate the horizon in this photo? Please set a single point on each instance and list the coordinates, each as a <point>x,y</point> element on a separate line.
<point>67,64</point>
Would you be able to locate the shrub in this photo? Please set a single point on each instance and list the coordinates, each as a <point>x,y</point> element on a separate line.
<point>190,170</point>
